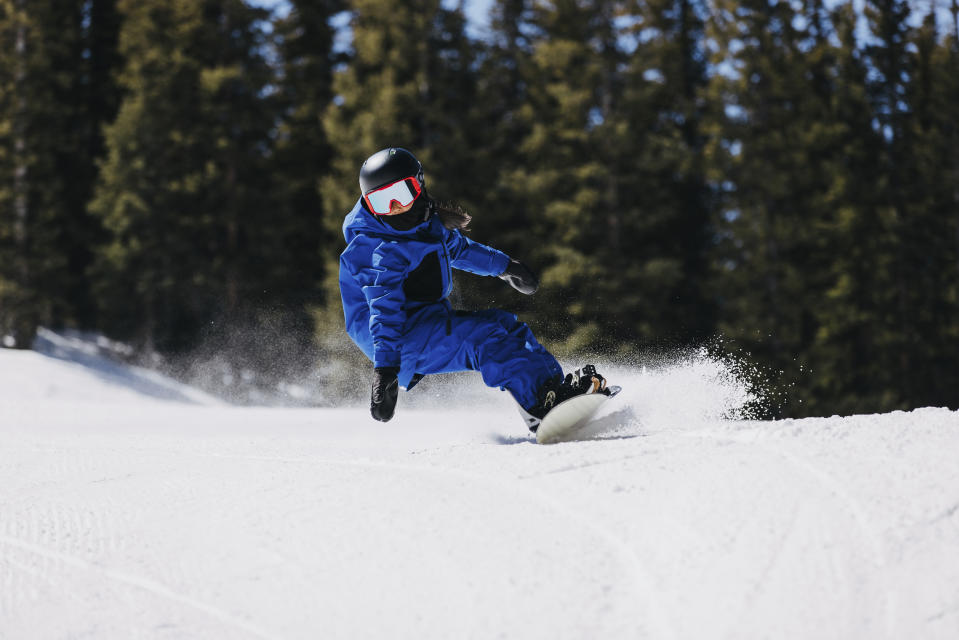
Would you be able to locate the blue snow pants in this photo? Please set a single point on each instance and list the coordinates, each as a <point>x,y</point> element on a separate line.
<point>493,342</point>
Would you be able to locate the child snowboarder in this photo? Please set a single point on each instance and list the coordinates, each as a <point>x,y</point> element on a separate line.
<point>395,278</point>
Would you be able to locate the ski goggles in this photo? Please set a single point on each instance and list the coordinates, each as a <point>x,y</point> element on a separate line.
<point>402,192</point>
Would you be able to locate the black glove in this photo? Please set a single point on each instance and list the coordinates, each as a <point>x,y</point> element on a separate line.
<point>384,393</point>
<point>520,277</point>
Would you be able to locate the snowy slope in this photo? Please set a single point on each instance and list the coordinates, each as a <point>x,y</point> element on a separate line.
<point>131,507</point>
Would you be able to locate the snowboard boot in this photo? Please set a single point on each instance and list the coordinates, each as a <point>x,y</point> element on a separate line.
<point>585,380</point>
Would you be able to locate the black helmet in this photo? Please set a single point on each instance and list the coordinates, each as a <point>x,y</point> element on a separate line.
<point>389,165</point>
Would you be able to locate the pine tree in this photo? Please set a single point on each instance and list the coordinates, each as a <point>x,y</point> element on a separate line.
<point>840,365</point>
<point>503,91</point>
<point>929,231</point>
<point>911,265</point>
<point>305,41</point>
<point>19,313</point>
<point>493,129</point>
<point>183,192</point>
<point>563,181</point>
<point>662,222</point>
<point>57,92</point>
<point>99,98</point>
<point>782,143</point>
<point>892,73</point>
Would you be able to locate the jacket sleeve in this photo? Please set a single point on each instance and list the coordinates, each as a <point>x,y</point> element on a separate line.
<point>382,284</point>
<point>474,257</point>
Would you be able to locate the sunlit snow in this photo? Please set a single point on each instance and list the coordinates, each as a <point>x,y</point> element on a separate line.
<point>133,507</point>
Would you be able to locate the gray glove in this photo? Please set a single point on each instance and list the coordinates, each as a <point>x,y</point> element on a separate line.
<point>520,277</point>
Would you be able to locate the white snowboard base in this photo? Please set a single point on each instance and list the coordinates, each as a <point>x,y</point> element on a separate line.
<point>570,416</point>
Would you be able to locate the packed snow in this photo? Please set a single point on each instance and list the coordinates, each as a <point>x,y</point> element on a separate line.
<point>134,507</point>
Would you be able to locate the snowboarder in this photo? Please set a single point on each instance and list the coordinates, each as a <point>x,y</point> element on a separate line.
<point>395,279</point>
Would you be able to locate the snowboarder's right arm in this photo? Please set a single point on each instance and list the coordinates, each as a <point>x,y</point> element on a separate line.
<point>381,280</point>
<point>382,284</point>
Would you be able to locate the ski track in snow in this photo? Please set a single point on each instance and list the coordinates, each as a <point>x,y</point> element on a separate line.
<point>134,581</point>
<point>131,507</point>
<point>507,491</point>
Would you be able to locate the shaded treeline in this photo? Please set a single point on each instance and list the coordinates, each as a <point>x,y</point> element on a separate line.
<point>776,180</point>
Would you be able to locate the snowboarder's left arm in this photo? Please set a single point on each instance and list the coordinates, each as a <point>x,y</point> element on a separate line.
<point>482,260</point>
<point>468,255</point>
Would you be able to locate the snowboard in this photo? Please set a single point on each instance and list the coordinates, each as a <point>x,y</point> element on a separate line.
<point>569,417</point>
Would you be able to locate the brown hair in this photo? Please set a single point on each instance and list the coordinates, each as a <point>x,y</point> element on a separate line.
<point>452,215</point>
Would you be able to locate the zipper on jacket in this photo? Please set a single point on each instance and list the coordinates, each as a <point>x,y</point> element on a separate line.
<point>449,288</point>
<point>449,272</point>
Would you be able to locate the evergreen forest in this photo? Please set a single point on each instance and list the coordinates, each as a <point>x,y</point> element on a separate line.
<point>773,181</point>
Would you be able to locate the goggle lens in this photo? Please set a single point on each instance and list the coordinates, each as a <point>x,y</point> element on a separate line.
<point>382,199</point>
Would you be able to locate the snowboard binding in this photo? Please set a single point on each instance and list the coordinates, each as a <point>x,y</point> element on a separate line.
<point>582,381</point>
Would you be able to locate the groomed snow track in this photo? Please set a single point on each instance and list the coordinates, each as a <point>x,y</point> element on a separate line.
<point>165,515</point>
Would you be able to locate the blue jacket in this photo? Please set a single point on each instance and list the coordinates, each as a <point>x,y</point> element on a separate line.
<point>386,275</point>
